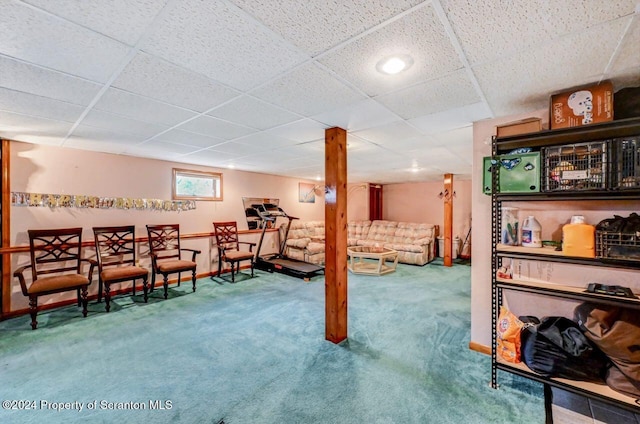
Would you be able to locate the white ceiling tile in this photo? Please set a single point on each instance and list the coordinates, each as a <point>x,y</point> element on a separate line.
<point>153,77</point>
<point>628,56</point>
<point>189,139</point>
<point>487,31</point>
<point>222,42</point>
<point>239,149</point>
<point>21,76</point>
<point>451,91</point>
<point>110,121</point>
<point>308,90</point>
<point>209,157</point>
<point>300,131</point>
<point>525,81</point>
<point>389,133</point>
<point>434,156</point>
<point>358,116</point>
<point>420,35</point>
<point>255,113</point>
<point>457,137</point>
<point>452,118</point>
<point>265,140</point>
<point>217,128</point>
<point>37,37</point>
<point>160,147</point>
<point>405,144</point>
<point>31,129</point>
<point>141,108</point>
<point>305,22</point>
<point>124,20</point>
<point>87,132</point>
<point>101,140</point>
<point>30,104</point>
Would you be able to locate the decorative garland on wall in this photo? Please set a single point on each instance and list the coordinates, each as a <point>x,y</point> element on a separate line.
<point>84,201</point>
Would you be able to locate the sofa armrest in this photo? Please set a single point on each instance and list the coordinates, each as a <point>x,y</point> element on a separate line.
<point>300,243</point>
<point>424,241</point>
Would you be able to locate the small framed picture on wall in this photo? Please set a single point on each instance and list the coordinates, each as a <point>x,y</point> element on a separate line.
<point>306,193</point>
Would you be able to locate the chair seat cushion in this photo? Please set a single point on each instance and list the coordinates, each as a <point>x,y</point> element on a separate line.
<point>176,266</point>
<point>237,255</point>
<point>123,273</point>
<point>57,283</point>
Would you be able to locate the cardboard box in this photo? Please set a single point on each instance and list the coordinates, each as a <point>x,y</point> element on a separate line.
<point>582,106</point>
<point>523,126</point>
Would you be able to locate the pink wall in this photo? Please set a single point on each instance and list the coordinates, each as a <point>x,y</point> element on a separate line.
<point>419,202</point>
<point>55,170</point>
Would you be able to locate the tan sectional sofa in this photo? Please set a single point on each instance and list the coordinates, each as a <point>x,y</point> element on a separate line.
<point>415,242</point>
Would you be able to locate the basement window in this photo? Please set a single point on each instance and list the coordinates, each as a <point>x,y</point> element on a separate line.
<point>196,185</point>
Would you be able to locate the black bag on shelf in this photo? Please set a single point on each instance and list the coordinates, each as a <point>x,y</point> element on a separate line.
<point>616,331</point>
<point>557,348</point>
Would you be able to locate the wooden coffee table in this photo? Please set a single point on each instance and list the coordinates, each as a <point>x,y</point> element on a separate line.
<point>371,260</point>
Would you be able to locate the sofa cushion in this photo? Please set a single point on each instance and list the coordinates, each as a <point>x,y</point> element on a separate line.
<point>413,233</point>
<point>300,243</point>
<point>315,247</point>
<point>358,230</point>
<point>382,231</point>
<point>315,229</point>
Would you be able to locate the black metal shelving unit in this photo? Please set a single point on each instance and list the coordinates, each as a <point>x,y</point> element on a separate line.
<point>596,132</point>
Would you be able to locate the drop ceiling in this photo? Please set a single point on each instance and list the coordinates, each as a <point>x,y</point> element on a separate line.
<point>253,84</point>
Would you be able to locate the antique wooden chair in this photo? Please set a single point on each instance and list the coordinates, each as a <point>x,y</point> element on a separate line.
<point>116,252</point>
<point>166,255</point>
<point>228,245</point>
<point>56,266</point>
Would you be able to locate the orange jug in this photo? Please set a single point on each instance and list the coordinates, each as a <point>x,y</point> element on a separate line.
<point>578,238</point>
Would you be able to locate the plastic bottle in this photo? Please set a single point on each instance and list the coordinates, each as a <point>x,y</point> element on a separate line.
<point>531,232</point>
<point>579,238</point>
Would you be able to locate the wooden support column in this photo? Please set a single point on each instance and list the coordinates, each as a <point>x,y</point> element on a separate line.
<point>335,214</point>
<point>448,219</point>
<point>5,284</point>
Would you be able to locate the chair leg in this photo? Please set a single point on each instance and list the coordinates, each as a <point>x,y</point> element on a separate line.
<point>153,281</point>
<point>107,296</point>
<point>252,268</point>
<point>78,297</point>
<point>219,267</point>
<point>99,290</point>
<point>193,279</point>
<point>145,288</point>
<point>33,310</point>
<point>179,278</point>
<point>134,287</point>
<point>233,274</point>
<point>165,284</point>
<point>85,300</point>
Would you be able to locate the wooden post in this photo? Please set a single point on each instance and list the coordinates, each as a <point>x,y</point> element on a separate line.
<point>335,212</point>
<point>448,218</point>
<point>6,229</point>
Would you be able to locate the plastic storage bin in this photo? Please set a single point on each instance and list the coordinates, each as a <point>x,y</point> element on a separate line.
<point>576,167</point>
<point>518,173</point>
<point>627,163</point>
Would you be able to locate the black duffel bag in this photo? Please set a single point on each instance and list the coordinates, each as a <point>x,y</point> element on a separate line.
<point>557,348</point>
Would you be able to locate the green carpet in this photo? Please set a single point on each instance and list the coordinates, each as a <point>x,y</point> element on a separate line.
<point>254,352</point>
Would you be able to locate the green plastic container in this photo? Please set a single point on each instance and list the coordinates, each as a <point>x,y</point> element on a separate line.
<point>519,173</point>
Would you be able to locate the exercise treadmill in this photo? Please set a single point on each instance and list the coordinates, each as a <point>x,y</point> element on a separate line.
<point>279,262</point>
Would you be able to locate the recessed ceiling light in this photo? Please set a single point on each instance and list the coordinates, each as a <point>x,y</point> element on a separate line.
<point>394,64</point>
